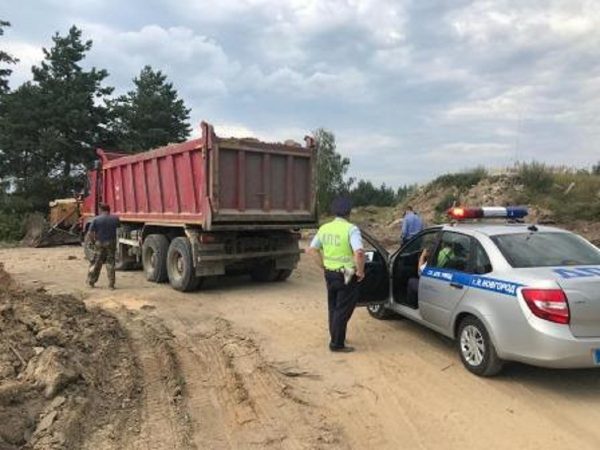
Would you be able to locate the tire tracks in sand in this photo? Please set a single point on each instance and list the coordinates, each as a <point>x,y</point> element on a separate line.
<point>239,399</point>
<point>164,418</point>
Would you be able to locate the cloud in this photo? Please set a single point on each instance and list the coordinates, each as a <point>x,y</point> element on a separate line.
<point>28,54</point>
<point>411,89</point>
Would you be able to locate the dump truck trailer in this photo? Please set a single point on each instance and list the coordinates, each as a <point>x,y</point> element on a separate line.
<point>207,207</point>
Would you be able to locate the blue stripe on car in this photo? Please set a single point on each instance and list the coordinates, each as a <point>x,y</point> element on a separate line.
<point>475,281</point>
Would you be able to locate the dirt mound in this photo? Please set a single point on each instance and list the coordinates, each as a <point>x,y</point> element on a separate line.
<point>432,201</point>
<point>66,372</point>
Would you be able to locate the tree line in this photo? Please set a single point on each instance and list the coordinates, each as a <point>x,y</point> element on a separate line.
<point>51,126</point>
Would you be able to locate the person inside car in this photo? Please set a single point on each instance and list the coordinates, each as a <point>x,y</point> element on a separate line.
<point>412,293</point>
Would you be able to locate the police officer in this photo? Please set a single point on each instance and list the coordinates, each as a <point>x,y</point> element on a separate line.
<point>103,237</point>
<point>338,249</point>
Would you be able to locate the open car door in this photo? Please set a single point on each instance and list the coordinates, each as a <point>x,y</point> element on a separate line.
<point>375,287</point>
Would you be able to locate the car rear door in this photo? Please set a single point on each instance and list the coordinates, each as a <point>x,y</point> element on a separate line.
<point>444,281</point>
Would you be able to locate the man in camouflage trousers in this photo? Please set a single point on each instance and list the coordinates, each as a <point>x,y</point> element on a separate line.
<point>102,236</point>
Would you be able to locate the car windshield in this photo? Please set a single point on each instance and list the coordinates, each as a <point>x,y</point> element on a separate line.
<point>545,249</point>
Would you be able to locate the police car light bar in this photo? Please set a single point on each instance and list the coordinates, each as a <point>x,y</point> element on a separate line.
<point>509,212</point>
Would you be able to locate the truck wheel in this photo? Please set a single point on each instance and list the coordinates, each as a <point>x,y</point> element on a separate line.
<point>476,349</point>
<point>123,265</point>
<point>284,274</point>
<point>122,260</point>
<point>180,266</point>
<point>154,258</point>
<point>265,273</point>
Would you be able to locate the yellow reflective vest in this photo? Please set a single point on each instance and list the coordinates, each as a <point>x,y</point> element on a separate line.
<point>335,244</point>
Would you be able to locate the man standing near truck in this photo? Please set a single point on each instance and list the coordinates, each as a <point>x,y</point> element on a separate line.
<point>411,225</point>
<point>102,236</point>
<point>338,249</point>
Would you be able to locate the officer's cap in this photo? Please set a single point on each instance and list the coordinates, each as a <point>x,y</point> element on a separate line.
<point>341,206</point>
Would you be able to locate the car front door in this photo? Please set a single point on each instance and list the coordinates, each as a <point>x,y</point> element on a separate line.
<point>405,263</point>
<point>375,287</point>
<point>444,280</point>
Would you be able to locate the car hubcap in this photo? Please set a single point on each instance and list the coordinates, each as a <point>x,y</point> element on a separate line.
<point>152,260</point>
<point>472,345</point>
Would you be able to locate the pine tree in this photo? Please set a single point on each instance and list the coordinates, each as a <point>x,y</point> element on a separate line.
<point>5,58</point>
<point>53,124</point>
<point>72,101</point>
<point>150,116</point>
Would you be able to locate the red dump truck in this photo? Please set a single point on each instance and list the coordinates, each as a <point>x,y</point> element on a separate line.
<point>208,206</point>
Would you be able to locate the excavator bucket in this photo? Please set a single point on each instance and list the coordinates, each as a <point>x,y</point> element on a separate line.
<point>61,228</point>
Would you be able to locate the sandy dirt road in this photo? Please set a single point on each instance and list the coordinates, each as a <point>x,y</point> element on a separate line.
<point>249,366</point>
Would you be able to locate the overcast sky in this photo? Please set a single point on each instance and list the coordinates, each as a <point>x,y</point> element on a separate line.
<point>411,89</point>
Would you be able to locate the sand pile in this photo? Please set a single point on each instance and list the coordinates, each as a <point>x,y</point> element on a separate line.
<point>66,372</point>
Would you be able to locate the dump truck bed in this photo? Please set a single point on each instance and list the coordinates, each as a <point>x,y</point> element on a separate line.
<point>213,182</point>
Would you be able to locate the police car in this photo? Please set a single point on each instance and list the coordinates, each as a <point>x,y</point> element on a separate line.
<point>504,291</point>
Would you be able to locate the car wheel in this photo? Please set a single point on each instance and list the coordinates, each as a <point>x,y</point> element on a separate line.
<point>154,258</point>
<point>180,266</point>
<point>476,349</point>
<point>380,312</point>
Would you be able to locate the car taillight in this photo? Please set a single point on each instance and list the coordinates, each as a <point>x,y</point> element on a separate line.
<point>548,304</point>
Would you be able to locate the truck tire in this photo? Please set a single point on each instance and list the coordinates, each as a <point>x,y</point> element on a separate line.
<point>123,265</point>
<point>127,263</point>
<point>284,274</point>
<point>265,273</point>
<point>180,266</point>
<point>154,258</point>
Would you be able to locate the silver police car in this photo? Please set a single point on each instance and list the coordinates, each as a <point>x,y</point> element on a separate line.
<point>504,292</point>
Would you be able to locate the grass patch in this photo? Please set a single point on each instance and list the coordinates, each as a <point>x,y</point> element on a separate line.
<point>461,180</point>
<point>535,177</point>
<point>446,202</point>
<point>569,194</point>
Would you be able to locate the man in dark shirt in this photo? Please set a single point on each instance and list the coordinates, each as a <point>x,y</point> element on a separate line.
<point>103,237</point>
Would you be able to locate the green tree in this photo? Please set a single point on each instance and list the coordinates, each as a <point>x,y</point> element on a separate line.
<point>405,191</point>
<point>50,127</point>
<point>596,169</point>
<point>73,104</point>
<point>150,116</point>
<point>22,158</point>
<point>5,58</point>
<point>366,194</point>
<point>331,169</point>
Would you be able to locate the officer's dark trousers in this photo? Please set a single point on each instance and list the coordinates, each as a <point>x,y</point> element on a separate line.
<point>342,300</point>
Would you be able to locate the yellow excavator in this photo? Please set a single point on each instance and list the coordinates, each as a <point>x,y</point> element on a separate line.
<point>63,225</point>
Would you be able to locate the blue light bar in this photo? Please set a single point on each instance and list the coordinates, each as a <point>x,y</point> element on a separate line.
<point>516,212</point>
